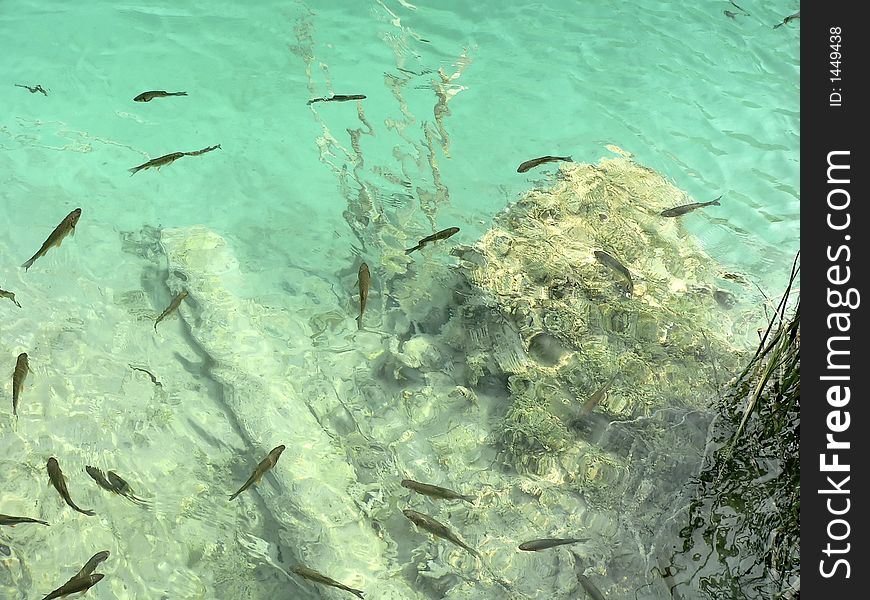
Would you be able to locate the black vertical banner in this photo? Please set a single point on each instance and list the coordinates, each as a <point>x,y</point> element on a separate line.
<point>835,421</point>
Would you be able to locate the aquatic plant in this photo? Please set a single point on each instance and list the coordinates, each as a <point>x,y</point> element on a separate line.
<point>742,540</point>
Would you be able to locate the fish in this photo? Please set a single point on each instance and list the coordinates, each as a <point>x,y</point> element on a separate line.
<point>590,588</point>
<point>149,373</point>
<point>312,575</point>
<point>265,464</point>
<point>98,476</point>
<point>65,228</point>
<point>730,14</point>
<point>114,483</point>
<point>148,96</point>
<point>75,585</point>
<point>13,521</point>
<point>91,565</point>
<point>440,235</point>
<point>33,90</point>
<point>543,544</point>
<point>437,529</point>
<point>172,306</point>
<point>741,9</point>
<point>168,159</point>
<point>605,259</point>
<point>531,164</point>
<point>337,98</point>
<point>681,210</point>
<point>595,398</point>
<point>435,491</point>
<point>789,19</point>
<point>364,280</point>
<point>160,161</point>
<point>22,368</point>
<point>11,296</point>
<point>119,486</point>
<point>57,479</point>
<point>593,592</point>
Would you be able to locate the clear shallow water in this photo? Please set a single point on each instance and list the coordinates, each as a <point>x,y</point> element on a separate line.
<point>710,102</point>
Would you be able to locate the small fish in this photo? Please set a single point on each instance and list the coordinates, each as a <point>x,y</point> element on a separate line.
<point>203,151</point>
<point>148,96</point>
<point>119,486</point>
<point>590,588</point>
<point>312,575</point>
<point>5,550</point>
<point>531,164</point>
<point>13,521</point>
<point>11,296</point>
<point>65,228</point>
<point>149,373</point>
<point>33,90</point>
<point>730,14</point>
<point>265,464</point>
<point>681,210</point>
<point>789,19</point>
<point>595,398</point>
<point>364,280</point>
<point>543,544</point>
<point>605,259</point>
<point>57,479</point>
<point>176,302</point>
<point>161,161</point>
<point>168,159</point>
<point>91,565</point>
<point>435,491</point>
<point>75,585</point>
<point>22,368</point>
<point>437,529</point>
<point>743,10</point>
<point>441,235</point>
<point>98,476</point>
<point>337,98</point>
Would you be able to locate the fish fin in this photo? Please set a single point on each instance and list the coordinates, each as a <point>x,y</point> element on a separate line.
<point>357,593</point>
<point>29,263</point>
<point>716,202</point>
<point>359,324</point>
<point>180,94</point>
<point>409,250</point>
<point>134,170</point>
<point>469,499</point>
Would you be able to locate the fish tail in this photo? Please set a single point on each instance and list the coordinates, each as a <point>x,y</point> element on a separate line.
<point>134,170</point>
<point>417,247</point>
<point>29,263</point>
<point>179,94</point>
<point>359,324</point>
<point>716,202</point>
<point>89,513</point>
<point>469,499</point>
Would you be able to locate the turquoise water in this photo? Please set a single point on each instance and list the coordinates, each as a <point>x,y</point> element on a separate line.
<point>267,230</point>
